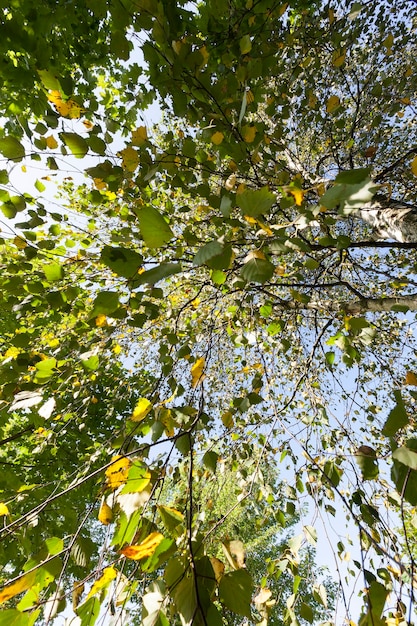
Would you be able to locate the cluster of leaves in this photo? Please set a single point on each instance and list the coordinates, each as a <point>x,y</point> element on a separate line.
<point>211,301</point>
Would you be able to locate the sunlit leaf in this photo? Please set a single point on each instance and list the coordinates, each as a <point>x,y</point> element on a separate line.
<point>109,574</point>
<point>141,410</point>
<point>138,478</point>
<point>153,227</point>
<point>146,548</point>
<point>139,136</point>
<point>105,514</point>
<point>197,369</point>
<point>21,584</point>
<point>117,473</point>
<point>130,158</point>
<point>4,510</point>
<point>11,148</point>
<point>76,143</point>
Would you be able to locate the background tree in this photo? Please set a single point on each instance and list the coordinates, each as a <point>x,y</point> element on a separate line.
<point>233,258</point>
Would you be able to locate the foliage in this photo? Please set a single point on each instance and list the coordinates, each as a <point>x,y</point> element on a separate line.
<point>214,292</point>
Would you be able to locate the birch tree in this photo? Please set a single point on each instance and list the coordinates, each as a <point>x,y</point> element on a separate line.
<point>232,288</point>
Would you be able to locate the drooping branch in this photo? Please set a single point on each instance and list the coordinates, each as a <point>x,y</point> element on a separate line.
<point>362,305</point>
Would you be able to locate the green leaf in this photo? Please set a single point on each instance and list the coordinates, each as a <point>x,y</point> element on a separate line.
<point>366,459</point>
<point>11,148</point>
<point>397,417</point>
<point>158,273</point>
<point>245,44</point>
<point>97,145</point>
<point>306,612</point>
<point>92,363</point>
<point>235,592</point>
<point>76,143</point>
<point>138,478</point>
<point>49,80</point>
<point>171,518</point>
<point>53,272</point>
<point>13,617</point>
<point>207,252</point>
<point>402,472</point>
<point>406,456</point>
<point>210,461</point>
<point>353,177</point>
<point>105,303</point>
<point>153,227</point>
<point>89,611</point>
<point>258,270</point>
<point>122,261</point>
<point>255,202</point>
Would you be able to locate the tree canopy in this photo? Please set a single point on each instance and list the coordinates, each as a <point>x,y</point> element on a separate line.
<point>214,318</point>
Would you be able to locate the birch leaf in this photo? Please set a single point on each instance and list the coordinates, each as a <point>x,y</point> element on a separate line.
<point>144,549</point>
<point>141,410</point>
<point>197,371</point>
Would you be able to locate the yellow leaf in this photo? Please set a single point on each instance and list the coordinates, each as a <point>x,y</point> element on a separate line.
<point>218,567</point>
<point>77,591</point>
<point>414,166</point>
<point>332,104</point>
<point>22,584</point>
<point>118,472</point>
<point>101,320</point>
<point>66,108</point>
<point>117,349</point>
<point>388,41</point>
<point>139,136</point>
<point>141,410</point>
<point>12,353</point>
<point>99,184</point>
<point>217,138</point>
<point>248,133</point>
<point>411,379</point>
<point>20,243</point>
<point>254,254</point>
<point>51,142</point>
<point>298,195</point>
<point>4,509</point>
<point>227,419</point>
<point>312,101</point>
<point>105,514</point>
<point>197,371</point>
<point>168,422</point>
<point>338,58</point>
<point>130,159</point>
<point>109,574</point>
<point>88,124</point>
<point>144,549</point>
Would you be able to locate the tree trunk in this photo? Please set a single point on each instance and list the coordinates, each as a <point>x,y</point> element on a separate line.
<point>391,219</point>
